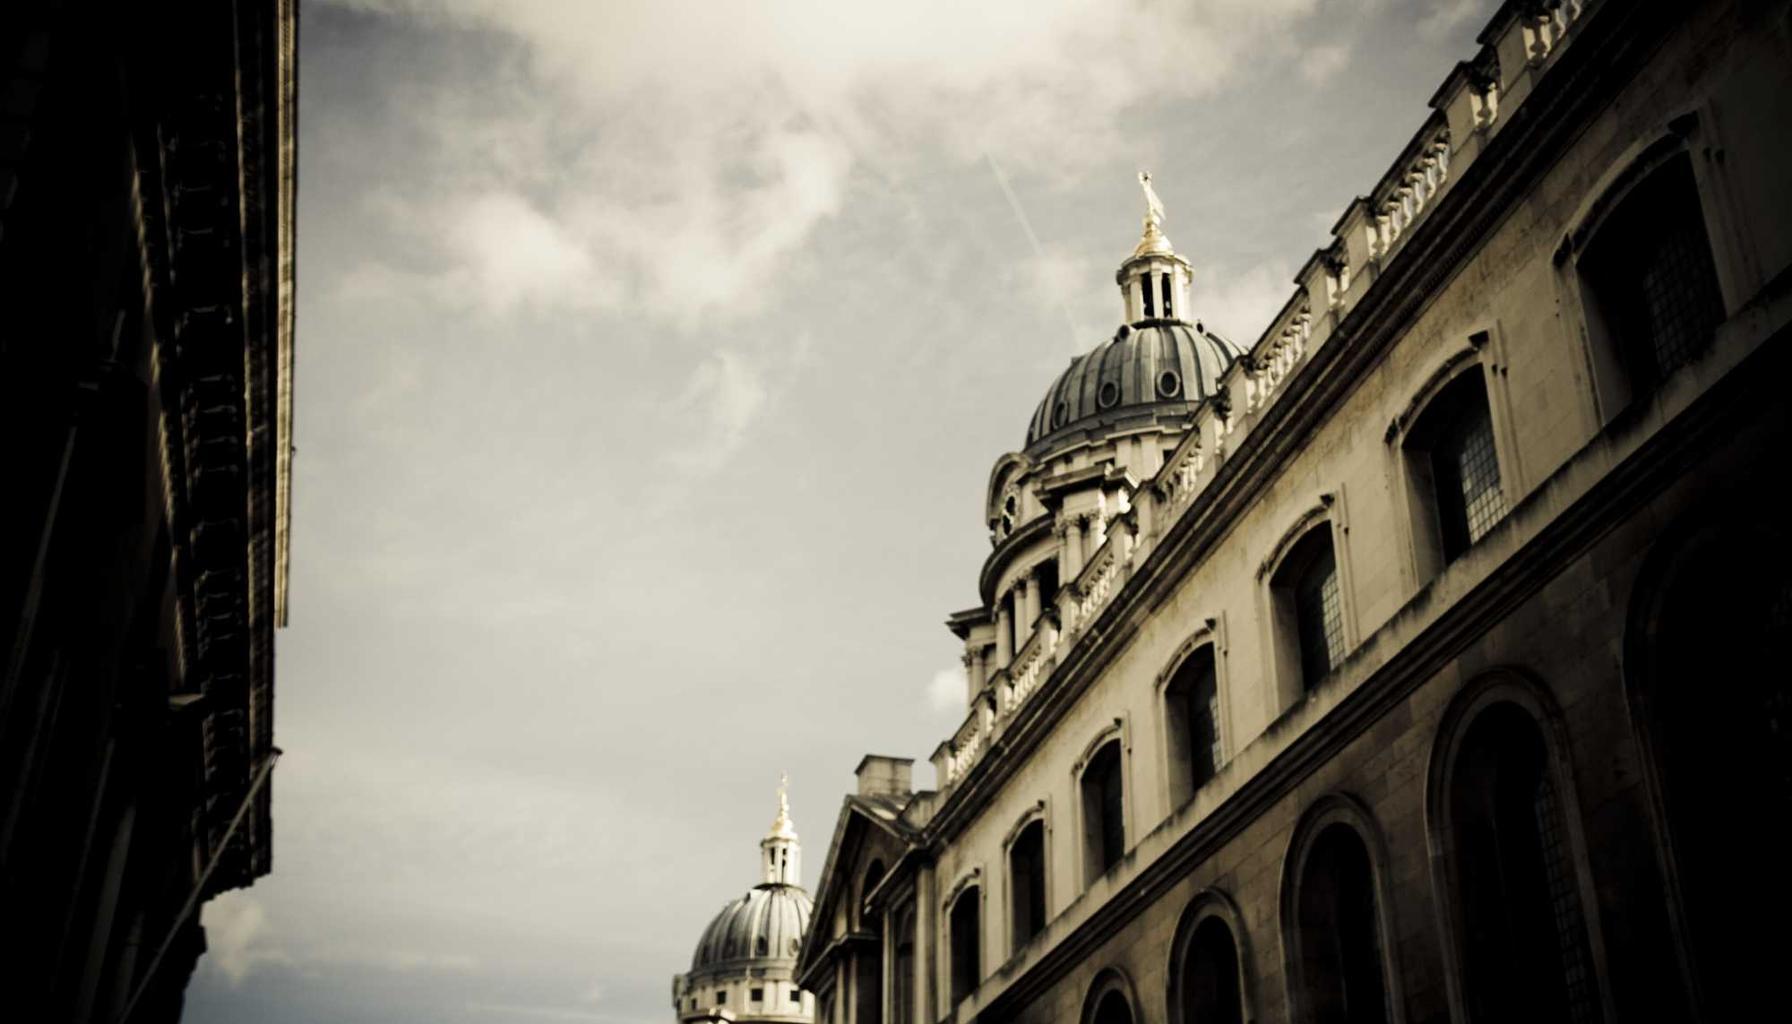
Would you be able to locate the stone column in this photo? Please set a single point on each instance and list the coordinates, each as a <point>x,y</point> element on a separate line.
<point>1071,547</point>
<point>1035,598</point>
<point>973,673</point>
<point>1004,631</point>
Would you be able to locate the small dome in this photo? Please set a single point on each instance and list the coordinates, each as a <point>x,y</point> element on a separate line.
<point>764,925</point>
<point>1157,365</point>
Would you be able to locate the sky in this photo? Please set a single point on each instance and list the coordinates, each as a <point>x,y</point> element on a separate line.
<point>651,361</point>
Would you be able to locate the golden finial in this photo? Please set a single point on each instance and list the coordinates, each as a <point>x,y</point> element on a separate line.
<point>1152,242</point>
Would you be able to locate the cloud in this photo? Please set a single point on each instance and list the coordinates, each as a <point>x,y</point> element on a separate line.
<point>1446,16</point>
<point>630,158</point>
<point>1240,306</point>
<point>945,691</point>
<point>724,396</point>
<point>510,253</point>
<point>235,928</point>
<point>1323,62</point>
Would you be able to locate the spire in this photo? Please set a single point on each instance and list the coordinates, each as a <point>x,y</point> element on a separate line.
<point>1154,280</point>
<point>780,853</point>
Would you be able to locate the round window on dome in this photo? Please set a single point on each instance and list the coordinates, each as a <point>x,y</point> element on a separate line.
<point>1108,395</point>
<point>1169,384</point>
<point>1060,413</point>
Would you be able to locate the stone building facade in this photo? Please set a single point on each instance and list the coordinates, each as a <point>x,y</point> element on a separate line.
<point>1414,662</point>
<point>146,346</point>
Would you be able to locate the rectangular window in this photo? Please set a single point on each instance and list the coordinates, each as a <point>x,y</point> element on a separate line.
<point>1145,290</point>
<point>796,995</point>
<point>758,995</point>
<point>1166,295</point>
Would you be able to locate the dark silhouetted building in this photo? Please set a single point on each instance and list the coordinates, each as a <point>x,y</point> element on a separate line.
<point>146,327</point>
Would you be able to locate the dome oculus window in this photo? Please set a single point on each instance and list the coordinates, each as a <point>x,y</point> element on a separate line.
<point>1169,384</point>
<point>1108,395</point>
<point>1060,413</point>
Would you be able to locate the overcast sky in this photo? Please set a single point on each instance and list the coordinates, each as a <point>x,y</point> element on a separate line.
<point>652,358</point>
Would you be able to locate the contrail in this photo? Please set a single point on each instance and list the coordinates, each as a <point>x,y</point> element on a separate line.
<point>1076,342</point>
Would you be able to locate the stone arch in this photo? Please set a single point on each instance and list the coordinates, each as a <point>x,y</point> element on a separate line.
<point>1511,717</point>
<point>1710,601</point>
<point>1204,988</point>
<point>1317,833</point>
<point>1111,999</point>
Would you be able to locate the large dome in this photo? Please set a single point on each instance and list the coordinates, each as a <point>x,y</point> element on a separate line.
<point>1155,366</point>
<point>764,925</point>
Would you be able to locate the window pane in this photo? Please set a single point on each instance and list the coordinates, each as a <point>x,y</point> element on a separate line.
<point>1467,474</point>
<point>1680,299</point>
<point>1320,614</point>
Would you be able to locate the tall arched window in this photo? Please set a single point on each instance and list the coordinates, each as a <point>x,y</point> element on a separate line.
<point>1192,717</point>
<point>1113,1010</point>
<point>1337,972</point>
<point>1649,281</point>
<point>1026,883</point>
<point>1104,812</point>
<point>965,923</point>
<point>1308,608</point>
<point>1525,951</point>
<point>1110,999</point>
<point>1705,658</point>
<point>1454,468</point>
<point>868,967</point>
<point>1206,977</point>
<point>902,964</point>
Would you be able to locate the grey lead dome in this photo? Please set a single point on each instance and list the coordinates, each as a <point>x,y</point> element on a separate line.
<point>1158,366</point>
<point>764,925</point>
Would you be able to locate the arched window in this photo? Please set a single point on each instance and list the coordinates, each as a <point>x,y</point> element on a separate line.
<point>965,922</point>
<point>1705,661</point>
<point>1206,968</point>
<point>1110,999</point>
<point>1524,947</point>
<point>1192,720</point>
<point>1104,812</point>
<point>868,967</point>
<point>1026,883</point>
<point>1308,608</point>
<point>1337,970</point>
<point>1455,471</point>
<point>1113,1010</point>
<point>902,982</point>
<point>1649,282</point>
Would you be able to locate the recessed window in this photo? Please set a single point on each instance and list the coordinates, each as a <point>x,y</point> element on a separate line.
<point>1060,414</point>
<point>1104,812</point>
<point>1308,611</point>
<point>1026,882</point>
<point>758,995</point>
<point>1337,937</point>
<point>796,995</point>
<point>965,923</point>
<point>1206,979</point>
<point>1650,278</point>
<point>1145,289</point>
<point>1192,716</point>
<point>1108,394</point>
<point>721,996</point>
<point>1455,470</point>
<point>1169,384</point>
<point>1317,604</point>
<point>1525,949</point>
<point>1165,283</point>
